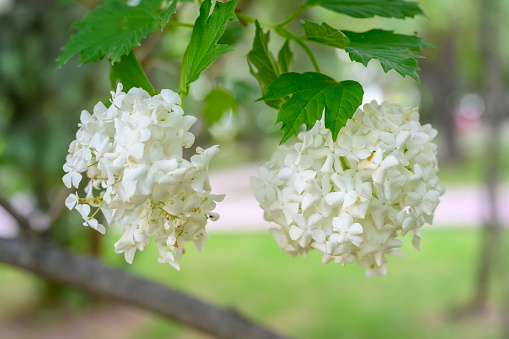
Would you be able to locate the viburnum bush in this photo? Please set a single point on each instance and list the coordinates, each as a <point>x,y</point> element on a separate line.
<point>346,181</point>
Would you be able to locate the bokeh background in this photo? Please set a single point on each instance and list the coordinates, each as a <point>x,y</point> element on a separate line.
<point>457,286</point>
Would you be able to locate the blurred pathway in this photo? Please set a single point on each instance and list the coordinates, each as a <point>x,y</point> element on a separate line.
<point>459,206</point>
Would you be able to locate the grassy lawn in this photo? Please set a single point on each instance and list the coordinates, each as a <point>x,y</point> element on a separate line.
<point>306,299</point>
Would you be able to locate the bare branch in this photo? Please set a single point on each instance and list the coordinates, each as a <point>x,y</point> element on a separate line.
<point>59,265</point>
<point>23,223</point>
<point>57,208</point>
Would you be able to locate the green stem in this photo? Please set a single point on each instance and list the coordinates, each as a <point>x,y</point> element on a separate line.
<point>285,34</point>
<point>183,88</point>
<point>181,24</point>
<point>293,16</point>
<point>264,23</point>
<point>310,54</point>
<point>280,30</point>
<point>97,210</point>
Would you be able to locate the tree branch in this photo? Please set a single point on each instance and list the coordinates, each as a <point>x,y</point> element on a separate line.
<point>59,265</point>
<point>23,223</point>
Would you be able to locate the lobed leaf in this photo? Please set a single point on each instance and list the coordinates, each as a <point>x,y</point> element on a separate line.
<point>208,29</point>
<point>325,34</point>
<point>394,51</point>
<point>369,8</point>
<point>112,29</point>
<point>311,96</point>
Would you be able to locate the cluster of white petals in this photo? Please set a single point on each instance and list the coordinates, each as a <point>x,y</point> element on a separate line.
<point>353,199</point>
<point>132,154</point>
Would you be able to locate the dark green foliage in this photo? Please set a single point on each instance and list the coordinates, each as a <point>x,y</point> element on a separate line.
<point>312,94</point>
<point>130,73</point>
<point>112,29</point>
<point>325,34</point>
<point>394,51</point>
<point>261,59</point>
<point>203,48</point>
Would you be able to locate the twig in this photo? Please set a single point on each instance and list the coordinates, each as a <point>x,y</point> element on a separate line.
<point>23,223</point>
<point>57,207</point>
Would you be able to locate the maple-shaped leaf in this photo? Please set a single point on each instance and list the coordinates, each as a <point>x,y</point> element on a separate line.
<point>312,95</point>
<point>112,29</point>
<point>394,51</point>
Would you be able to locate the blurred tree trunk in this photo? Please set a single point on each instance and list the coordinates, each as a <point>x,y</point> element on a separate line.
<point>493,92</point>
<point>440,74</point>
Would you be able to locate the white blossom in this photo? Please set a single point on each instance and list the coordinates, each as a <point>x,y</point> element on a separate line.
<point>132,154</point>
<point>353,199</point>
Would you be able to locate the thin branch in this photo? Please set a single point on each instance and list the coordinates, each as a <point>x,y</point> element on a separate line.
<point>59,265</point>
<point>23,223</point>
<point>57,207</point>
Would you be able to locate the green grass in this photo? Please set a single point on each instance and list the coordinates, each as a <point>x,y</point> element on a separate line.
<point>305,299</point>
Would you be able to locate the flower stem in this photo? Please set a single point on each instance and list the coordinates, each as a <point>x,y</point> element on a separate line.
<point>184,88</point>
<point>310,54</point>
<point>97,210</point>
<point>264,23</point>
<point>181,24</point>
<point>280,30</point>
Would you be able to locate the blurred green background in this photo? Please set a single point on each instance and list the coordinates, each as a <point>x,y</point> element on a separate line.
<point>427,294</point>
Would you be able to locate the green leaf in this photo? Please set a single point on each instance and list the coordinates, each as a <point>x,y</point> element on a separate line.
<point>311,94</point>
<point>369,8</point>
<point>285,57</point>
<point>394,51</point>
<point>325,34</point>
<point>165,15</point>
<point>217,103</point>
<point>130,73</point>
<point>112,29</point>
<point>203,48</point>
<point>262,59</point>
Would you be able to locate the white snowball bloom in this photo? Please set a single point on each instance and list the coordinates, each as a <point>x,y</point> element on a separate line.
<point>132,154</point>
<point>355,198</point>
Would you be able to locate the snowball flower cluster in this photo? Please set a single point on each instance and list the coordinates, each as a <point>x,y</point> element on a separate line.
<point>132,154</point>
<point>353,199</point>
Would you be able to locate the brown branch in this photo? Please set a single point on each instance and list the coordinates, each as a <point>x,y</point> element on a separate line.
<point>23,223</point>
<point>59,265</point>
<point>56,208</point>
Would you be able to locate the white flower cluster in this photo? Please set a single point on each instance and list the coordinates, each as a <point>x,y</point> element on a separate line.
<point>132,153</point>
<point>353,198</point>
